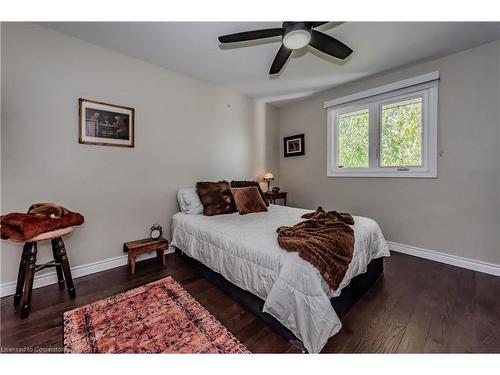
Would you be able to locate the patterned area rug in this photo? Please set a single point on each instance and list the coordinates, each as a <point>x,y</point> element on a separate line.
<point>160,317</point>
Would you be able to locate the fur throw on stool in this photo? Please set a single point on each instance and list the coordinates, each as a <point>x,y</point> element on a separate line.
<point>48,209</point>
<point>41,218</point>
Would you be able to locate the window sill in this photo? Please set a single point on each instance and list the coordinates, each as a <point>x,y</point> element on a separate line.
<point>399,174</point>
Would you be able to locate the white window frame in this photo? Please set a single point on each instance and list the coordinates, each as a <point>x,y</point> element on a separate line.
<point>424,86</point>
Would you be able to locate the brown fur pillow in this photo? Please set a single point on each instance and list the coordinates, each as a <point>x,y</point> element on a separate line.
<point>239,184</point>
<point>215,197</point>
<point>248,200</point>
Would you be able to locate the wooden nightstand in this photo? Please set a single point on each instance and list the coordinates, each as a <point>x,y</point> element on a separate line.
<point>273,196</point>
<point>146,245</point>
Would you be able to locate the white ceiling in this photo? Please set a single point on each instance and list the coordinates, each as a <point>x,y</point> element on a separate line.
<point>192,48</point>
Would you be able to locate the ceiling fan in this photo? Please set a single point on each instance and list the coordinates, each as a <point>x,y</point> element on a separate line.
<point>295,35</point>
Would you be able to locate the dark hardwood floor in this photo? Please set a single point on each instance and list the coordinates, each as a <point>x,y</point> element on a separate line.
<point>418,306</point>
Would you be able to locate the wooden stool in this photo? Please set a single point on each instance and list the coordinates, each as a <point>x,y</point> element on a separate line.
<point>134,248</point>
<point>28,267</point>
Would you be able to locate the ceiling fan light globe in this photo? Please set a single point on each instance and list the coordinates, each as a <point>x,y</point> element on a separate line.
<point>296,39</point>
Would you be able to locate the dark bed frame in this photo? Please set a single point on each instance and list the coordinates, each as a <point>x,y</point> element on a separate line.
<point>358,286</point>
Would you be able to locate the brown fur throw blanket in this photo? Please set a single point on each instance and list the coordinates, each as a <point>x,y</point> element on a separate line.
<point>48,209</point>
<point>42,217</point>
<point>325,240</point>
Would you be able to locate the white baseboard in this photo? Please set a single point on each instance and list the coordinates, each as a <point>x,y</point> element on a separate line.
<point>9,288</point>
<point>475,265</point>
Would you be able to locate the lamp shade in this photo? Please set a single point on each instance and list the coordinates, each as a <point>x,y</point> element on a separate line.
<point>268,176</point>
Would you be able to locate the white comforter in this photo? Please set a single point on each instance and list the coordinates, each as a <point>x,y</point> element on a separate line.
<point>244,249</point>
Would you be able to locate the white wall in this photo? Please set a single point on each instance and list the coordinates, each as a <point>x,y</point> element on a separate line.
<point>457,213</point>
<point>266,141</point>
<point>186,131</point>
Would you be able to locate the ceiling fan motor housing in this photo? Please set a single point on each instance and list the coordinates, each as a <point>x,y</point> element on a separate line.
<point>296,34</point>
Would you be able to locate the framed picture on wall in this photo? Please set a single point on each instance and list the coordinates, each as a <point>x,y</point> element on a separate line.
<point>294,145</point>
<point>106,124</point>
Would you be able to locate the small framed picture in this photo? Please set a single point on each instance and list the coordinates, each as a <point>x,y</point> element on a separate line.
<point>294,145</point>
<point>106,124</point>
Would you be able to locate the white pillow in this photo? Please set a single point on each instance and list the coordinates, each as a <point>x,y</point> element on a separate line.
<point>189,201</point>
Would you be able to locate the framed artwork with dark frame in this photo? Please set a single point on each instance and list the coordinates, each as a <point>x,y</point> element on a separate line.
<point>294,145</point>
<point>106,124</point>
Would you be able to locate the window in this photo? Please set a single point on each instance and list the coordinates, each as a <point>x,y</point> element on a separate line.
<point>353,139</point>
<point>401,133</point>
<point>389,131</point>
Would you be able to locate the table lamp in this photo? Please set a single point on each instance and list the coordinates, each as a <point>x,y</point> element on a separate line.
<point>268,177</point>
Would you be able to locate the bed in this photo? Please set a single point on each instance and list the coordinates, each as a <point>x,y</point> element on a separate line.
<point>243,251</point>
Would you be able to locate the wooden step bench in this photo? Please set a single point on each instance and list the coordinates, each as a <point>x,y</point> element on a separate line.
<point>134,248</point>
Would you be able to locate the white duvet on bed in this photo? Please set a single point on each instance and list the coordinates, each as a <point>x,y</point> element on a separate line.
<point>244,249</point>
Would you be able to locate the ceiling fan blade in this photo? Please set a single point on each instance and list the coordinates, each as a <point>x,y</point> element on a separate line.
<point>317,24</point>
<point>280,59</point>
<point>251,35</point>
<point>330,46</point>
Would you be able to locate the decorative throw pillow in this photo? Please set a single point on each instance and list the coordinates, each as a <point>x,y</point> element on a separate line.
<point>248,200</point>
<point>189,201</point>
<point>239,184</point>
<point>215,197</point>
